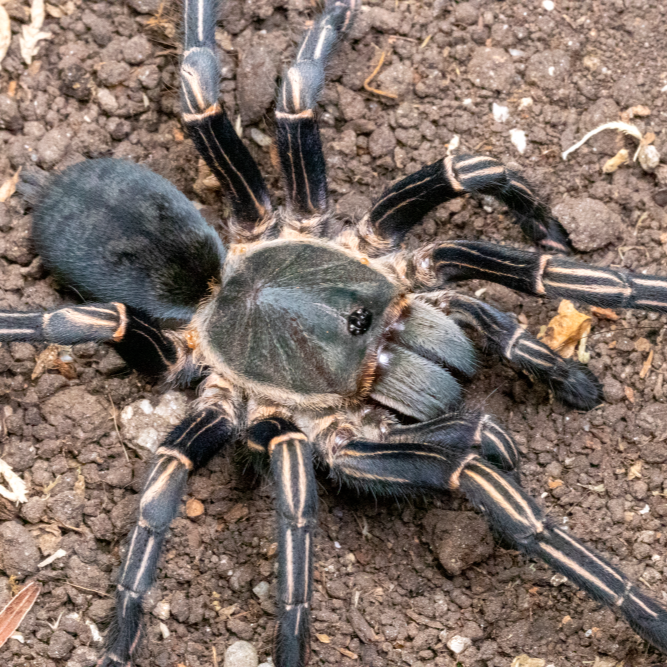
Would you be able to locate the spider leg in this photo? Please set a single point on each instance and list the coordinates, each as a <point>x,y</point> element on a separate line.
<point>551,276</point>
<point>480,430</point>
<point>188,447</point>
<point>208,124</point>
<point>569,380</point>
<point>297,133</point>
<point>136,336</point>
<point>294,476</point>
<point>513,515</point>
<point>403,205</point>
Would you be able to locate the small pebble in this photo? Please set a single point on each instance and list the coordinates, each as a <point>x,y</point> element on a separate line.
<point>261,590</point>
<point>458,644</point>
<point>241,654</point>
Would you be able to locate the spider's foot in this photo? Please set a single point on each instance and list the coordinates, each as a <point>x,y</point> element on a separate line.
<point>576,386</point>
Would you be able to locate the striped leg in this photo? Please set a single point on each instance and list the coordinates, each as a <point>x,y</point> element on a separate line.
<point>208,124</point>
<point>513,515</point>
<point>297,133</point>
<point>189,446</point>
<point>569,380</point>
<point>551,276</point>
<point>475,429</point>
<point>296,491</point>
<point>405,203</point>
<point>136,336</point>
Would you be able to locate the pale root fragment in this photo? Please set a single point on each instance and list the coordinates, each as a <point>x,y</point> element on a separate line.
<point>567,330</point>
<point>32,34</point>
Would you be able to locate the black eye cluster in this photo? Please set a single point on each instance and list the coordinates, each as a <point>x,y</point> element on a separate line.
<point>359,322</point>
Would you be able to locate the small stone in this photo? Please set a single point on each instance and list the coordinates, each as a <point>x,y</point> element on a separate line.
<point>649,158</point>
<point>112,73</point>
<point>10,118</point>
<point>194,508</point>
<point>660,197</point>
<point>76,83</point>
<point>53,146</point>
<point>590,223</point>
<point>351,104</point>
<point>107,101</point>
<point>460,539</point>
<point>465,13</point>
<point>60,645</point>
<point>148,76</point>
<point>381,142</point>
<point>145,6</point>
<point>18,550</point>
<point>491,68</point>
<point>136,50</point>
<point>261,590</point>
<point>613,390</point>
<point>458,644</point>
<point>256,79</point>
<point>241,654</point>
<point>162,610</point>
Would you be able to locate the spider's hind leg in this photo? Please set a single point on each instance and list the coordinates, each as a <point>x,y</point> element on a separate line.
<point>444,464</point>
<point>208,124</point>
<point>297,132</point>
<point>188,447</point>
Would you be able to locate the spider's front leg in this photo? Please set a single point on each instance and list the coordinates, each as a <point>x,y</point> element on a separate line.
<point>297,133</point>
<point>403,205</point>
<point>547,275</point>
<point>189,446</point>
<point>443,461</point>
<point>208,124</point>
<point>292,470</point>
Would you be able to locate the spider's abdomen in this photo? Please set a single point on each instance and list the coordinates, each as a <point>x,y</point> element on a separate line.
<point>300,317</point>
<point>118,232</point>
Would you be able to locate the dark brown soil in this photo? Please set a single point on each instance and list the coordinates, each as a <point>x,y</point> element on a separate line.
<point>106,83</point>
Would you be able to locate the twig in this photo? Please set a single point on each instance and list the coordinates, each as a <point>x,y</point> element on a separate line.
<point>115,425</point>
<point>90,590</point>
<point>367,85</point>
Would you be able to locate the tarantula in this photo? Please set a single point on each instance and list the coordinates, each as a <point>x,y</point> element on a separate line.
<point>314,341</point>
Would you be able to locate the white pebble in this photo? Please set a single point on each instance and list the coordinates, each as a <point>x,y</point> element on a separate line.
<point>241,654</point>
<point>548,5</point>
<point>458,644</point>
<point>525,102</point>
<point>337,545</point>
<point>261,590</point>
<point>500,114</point>
<point>164,631</point>
<point>162,610</point>
<point>518,138</point>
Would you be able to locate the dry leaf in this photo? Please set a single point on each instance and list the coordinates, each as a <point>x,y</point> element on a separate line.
<point>8,188</point>
<point>348,654</point>
<point>5,32</point>
<point>604,313</point>
<point>555,483</point>
<point>16,484</point>
<point>525,661</point>
<point>194,508</point>
<point>566,620</point>
<point>635,470</point>
<point>325,639</point>
<point>613,163</point>
<point>646,366</point>
<point>32,34</point>
<point>16,610</point>
<point>630,394</point>
<point>565,330</point>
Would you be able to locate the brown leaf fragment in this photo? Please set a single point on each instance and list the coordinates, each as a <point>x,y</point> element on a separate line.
<point>555,483</point>
<point>46,360</point>
<point>635,470</point>
<point>194,508</point>
<point>325,639</point>
<point>646,367</point>
<point>613,163</point>
<point>8,188</point>
<point>238,512</point>
<point>16,610</point>
<point>525,661</point>
<point>422,620</point>
<point>566,329</point>
<point>348,654</point>
<point>604,313</point>
<point>630,394</point>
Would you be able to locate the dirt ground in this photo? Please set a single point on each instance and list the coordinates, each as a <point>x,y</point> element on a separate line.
<point>105,84</point>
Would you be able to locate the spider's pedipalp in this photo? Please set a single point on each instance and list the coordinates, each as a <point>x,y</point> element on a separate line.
<point>403,205</point>
<point>116,231</point>
<point>297,133</point>
<point>208,124</point>
<point>571,382</point>
<point>188,447</point>
<point>296,489</point>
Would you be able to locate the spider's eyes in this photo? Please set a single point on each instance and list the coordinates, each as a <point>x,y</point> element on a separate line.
<point>359,322</point>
